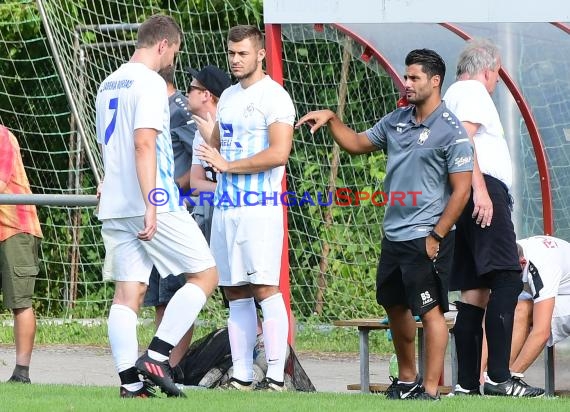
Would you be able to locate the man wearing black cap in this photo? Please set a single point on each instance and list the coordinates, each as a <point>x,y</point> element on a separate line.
<point>203,95</point>
<point>210,79</point>
<point>182,129</point>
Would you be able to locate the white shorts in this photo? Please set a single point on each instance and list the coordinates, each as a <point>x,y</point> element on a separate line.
<point>524,295</point>
<point>560,326</point>
<point>247,243</point>
<point>178,246</point>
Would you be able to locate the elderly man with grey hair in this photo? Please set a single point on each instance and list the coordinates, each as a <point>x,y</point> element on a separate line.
<point>486,265</point>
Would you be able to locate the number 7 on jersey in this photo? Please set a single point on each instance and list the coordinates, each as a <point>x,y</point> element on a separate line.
<point>113,105</point>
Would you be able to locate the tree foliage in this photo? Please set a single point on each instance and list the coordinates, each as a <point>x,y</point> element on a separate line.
<point>33,103</point>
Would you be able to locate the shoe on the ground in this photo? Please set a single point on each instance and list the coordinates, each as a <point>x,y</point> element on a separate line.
<point>458,390</point>
<point>178,374</point>
<point>234,384</point>
<point>424,396</point>
<point>212,378</point>
<point>19,379</point>
<point>398,390</point>
<point>270,385</point>
<point>159,373</point>
<point>147,391</point>
<point>514,386</point>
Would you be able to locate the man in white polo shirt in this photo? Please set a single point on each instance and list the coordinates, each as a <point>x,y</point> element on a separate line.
<point>485,264</point>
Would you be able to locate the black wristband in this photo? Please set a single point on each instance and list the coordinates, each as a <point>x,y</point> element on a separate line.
<point>436,236</point>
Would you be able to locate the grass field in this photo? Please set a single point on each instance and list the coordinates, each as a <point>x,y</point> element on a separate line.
<point>48,398</point>
<point>51,398</point>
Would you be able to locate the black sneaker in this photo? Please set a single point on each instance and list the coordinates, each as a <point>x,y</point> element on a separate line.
<point>461,391</point>
<point>514,386</point>
<point>147,391</point>
<point>159,373</point>
<point>19,379</point>
<point>270,385</point>
<point>398,390</point>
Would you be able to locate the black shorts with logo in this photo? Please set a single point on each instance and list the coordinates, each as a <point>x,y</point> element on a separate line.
<point>407,276</point>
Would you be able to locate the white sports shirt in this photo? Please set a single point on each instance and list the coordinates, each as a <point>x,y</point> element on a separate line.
<point>471,102</point>
<point>547,270</point>
<point>133,97</point>
<point>198,140</point>
<point>244,116</point>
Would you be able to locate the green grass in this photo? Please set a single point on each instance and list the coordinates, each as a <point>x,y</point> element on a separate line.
<point>311,338</point>
<point>48,398</point>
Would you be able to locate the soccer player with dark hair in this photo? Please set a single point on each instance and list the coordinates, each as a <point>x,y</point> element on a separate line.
<point>428,152</point>
<point>254,134</point>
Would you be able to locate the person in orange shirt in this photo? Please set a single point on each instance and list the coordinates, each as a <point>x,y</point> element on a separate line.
<point>20,236</point>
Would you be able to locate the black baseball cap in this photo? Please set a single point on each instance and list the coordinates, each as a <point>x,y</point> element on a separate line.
<point>212,78</point>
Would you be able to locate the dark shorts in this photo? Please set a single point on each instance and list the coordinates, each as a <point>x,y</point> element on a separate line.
<point>160,290</point>
<point>407,276</point>
<point>481,251</point>
<point>19,266</point>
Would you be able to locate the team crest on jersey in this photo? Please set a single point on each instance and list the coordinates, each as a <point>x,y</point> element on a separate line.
<point>424,136</point>
<point>228,129</point>
<point>250,108</point>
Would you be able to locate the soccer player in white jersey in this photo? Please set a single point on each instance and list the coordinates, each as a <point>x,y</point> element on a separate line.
<point>543,311</point>
<point>143,221</point>
<point>542,316</point>
<point>485,265</point>
<point>254,133</point>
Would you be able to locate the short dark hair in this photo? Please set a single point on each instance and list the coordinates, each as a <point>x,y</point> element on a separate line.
<point>155,29</point>
<point>431,62</point>
<point>242,32</point>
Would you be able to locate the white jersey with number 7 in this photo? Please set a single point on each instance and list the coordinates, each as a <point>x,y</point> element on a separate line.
<point>133,97</point>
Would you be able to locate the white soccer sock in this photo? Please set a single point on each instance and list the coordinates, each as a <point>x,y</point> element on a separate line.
<point>242,331</point>
<point>180,313</point>
<point>122,331</point>
<point>133,387</point>
<point>275,332</point>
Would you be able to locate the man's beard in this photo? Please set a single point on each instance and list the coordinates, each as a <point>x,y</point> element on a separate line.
<point>246,75</point>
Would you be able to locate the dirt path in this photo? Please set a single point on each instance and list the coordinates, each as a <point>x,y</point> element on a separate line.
<point>86,365</point>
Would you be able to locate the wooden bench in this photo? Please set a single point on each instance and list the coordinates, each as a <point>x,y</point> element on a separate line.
<point>364,327</point>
